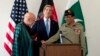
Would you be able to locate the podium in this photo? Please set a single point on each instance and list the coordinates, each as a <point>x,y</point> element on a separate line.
<point>61,50</point>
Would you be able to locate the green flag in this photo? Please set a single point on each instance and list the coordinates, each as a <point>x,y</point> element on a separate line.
<point>74,5</point>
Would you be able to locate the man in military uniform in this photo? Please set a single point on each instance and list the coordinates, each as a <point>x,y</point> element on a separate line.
<point>72,33</point>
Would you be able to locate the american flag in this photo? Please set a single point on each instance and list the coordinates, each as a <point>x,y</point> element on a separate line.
<point>18,10</point>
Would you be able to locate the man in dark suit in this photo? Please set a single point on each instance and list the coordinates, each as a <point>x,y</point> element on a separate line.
<point>44,28</point>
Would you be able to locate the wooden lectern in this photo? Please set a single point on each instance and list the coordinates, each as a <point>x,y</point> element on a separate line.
<point>61,50</point>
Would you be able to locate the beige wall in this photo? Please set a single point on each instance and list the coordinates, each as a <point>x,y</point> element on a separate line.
<point>90,8</point>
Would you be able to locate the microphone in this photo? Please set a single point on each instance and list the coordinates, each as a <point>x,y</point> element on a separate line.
<point>60,33</point>
<point>61,36</point>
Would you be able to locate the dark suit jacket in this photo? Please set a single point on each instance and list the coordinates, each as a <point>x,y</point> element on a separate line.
<point>40,29</point>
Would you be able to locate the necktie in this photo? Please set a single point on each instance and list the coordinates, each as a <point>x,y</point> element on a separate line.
<point>47,27</point>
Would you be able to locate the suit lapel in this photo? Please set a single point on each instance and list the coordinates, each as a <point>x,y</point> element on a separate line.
<point>51,28</point>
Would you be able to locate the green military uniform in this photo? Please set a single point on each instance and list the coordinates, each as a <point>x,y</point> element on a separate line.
<point>73,35</point>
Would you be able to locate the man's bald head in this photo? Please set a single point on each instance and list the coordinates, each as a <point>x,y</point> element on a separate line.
<point>29,18</point>
<point>29,14</point>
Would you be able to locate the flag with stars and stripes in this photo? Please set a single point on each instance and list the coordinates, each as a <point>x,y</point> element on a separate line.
<point>18,10</point>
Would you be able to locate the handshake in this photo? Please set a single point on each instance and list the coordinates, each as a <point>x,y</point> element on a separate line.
<point>43,43</point>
